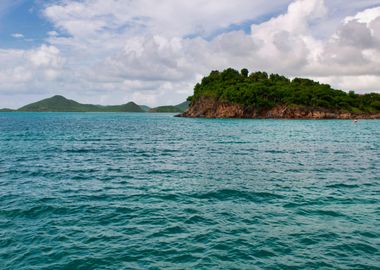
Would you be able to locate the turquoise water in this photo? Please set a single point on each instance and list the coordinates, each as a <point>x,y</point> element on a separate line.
<point>150,191</point>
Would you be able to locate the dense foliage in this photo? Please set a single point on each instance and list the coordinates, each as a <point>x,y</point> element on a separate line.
<point>262,91</point>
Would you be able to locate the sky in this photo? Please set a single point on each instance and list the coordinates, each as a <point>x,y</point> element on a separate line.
<point>153,52</point>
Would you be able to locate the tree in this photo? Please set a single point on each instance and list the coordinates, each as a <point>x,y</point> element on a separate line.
<point>261,91</point>
<point>244,72</point>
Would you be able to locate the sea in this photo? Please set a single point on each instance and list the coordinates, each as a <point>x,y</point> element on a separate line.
<point>152,191</point>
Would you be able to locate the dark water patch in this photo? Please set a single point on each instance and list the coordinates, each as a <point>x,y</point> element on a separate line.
<point>232,194</point>
<point>273,151</point>
<point>163,171</point>
<point>264,253</point>
<point>308,241</point>
<point>368,234</point>
<point>343,186</point>
<point>200,220</point>
<point>321,213</point>
<point>169,231</point>
<point>357,248</point>
<point>156,197</point>
<point>38,211</point>
<point>82,150</point>
<point>232,142</point>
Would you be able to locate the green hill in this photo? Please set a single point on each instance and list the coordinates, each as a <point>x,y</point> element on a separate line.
<point>172,109</point>
<point>61,104</point>
<point>145,108</point>
<point>6,110</point>
<point>259,91</point>
<point>165,109</point>
<point>129,107</point>
<point>183,106</point>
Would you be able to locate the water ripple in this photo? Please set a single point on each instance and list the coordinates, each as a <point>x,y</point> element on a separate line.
<point>150,191</point>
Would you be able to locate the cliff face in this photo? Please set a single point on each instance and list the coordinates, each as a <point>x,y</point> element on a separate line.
<point>211,108</point>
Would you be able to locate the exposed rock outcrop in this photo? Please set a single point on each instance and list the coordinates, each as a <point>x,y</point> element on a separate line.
<point>212,108</point>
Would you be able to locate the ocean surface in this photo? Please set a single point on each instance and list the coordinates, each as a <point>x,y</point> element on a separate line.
<point>151,191</point>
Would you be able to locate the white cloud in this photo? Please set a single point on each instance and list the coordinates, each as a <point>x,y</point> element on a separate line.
<point>17,35</point>
<point>52,33</point>
<point>45,56</point>
<point>366,16</point>
<point>111,50</point>
<point>32,70</point>
<point>166,17</point>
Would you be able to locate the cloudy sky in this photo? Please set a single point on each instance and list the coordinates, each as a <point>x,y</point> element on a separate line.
<point>154,51</point>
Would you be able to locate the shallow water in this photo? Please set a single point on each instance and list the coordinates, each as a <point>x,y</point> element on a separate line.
<point>150,191</point>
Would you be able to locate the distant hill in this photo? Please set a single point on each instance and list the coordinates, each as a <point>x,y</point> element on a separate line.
<point>145,108</point>
<point>165,109</point>
<point>172,109</point>
<point>183,106</point>
<point>62,104</point>
<point>6,110</point>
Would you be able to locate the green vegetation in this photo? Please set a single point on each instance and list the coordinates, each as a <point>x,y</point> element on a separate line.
<point>145,108</point>
<point>262,91</point>
<point>165,109</point>
<point>61,104</point>
<point>183,106</point>
<point>6,110</point>
<point>172,109</point>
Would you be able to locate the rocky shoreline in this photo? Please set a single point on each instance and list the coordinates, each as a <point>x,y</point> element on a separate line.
<point>212,108</point>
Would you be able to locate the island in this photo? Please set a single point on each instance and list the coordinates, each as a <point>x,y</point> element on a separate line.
<point>6,110</point>
<point>234,94</point>
<point>61,104</point>
<point>180,108</point>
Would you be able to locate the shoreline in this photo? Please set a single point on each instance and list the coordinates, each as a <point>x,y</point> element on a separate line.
<point>212,108</point>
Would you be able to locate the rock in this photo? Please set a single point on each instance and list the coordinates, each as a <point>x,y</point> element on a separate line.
<point>211,108</point>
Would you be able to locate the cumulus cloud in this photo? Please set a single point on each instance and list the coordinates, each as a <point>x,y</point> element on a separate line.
<point>22,70</point>
<point>166,17</point>
<point>366,16</point>
<point>153,53</point>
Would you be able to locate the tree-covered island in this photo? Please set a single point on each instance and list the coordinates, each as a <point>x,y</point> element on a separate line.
<point>234,94</point>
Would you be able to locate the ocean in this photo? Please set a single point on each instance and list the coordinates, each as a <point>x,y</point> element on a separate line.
<point>151,191</point>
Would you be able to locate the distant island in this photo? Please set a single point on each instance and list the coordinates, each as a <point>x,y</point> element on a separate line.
<point>61,104</point>
<point>177,108</point>
<point>6,110</point>
<point>234,94</point>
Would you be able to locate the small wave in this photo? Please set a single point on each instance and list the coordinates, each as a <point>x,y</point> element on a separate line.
<point>368,234</point>
<point>163,196</point>
<point>37,211</point>
<point>169,231</point>
<point>197,219</point>
<point>319,212</point>
<point>81,150</point>
<point>358,248</point>
<point>162,172</point>
<point>232,194</point>
<point>276,151</point>
<point>342,185</point>
<point>232,142</point>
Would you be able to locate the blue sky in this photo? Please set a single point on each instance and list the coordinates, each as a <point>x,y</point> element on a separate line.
<point>113,51</point>
<point>23,17</point>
